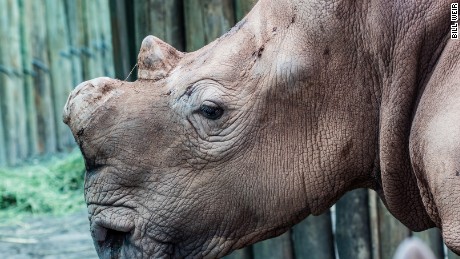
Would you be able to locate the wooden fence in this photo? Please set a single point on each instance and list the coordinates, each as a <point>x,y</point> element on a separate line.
<point>49,46</point>
<point>46,48</point>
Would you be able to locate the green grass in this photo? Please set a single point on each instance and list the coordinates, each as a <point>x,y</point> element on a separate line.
<point>46,186</point>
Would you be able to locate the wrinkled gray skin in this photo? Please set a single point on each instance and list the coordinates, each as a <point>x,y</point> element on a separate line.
<point>318,98</point>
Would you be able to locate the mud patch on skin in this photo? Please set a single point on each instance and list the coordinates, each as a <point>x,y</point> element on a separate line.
<point>457,173</point>
<point>259,52</point>
<point>106,88</point>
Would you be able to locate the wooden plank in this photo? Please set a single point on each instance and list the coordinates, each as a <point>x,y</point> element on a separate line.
<point>313,237</point>
<point>218,17</point>
<point>206,20</point>
<point>25,11</point>
<point>96,25</point>
<point>432,237</point>
<point>60,66</point>
<point>374,223</point>
<point>2,136</point>
<point>91,56</point>
<point>353,236</point>
<point>14,50</point>
<point>242,7</point>
<point>452,255</point>
<point>194,33</point>
<point>392,232</point>
<point>162,19</point>
<point>7,85</point>
<point>278,247</point>
<point>125,56</point>
<point>3,73</point>
<point>76,38</point>
<point>105,47</point>
<point>11,92</point>
<point>245,253</point>
<point>42,82</point>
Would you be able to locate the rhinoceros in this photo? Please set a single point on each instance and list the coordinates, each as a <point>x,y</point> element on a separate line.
<point>300,102</point>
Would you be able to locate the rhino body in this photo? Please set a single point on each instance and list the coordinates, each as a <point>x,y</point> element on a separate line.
<point>300,102</point>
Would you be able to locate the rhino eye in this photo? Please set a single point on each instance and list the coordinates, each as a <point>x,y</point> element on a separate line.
<point>211,111</point>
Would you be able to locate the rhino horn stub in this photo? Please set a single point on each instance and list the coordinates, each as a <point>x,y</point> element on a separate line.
<point>156,58</point>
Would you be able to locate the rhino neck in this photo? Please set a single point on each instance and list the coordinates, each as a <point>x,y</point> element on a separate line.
<point>367,63</point>
<point>405,51</point>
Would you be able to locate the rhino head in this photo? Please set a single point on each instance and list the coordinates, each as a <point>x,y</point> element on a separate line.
<point>213,150</point>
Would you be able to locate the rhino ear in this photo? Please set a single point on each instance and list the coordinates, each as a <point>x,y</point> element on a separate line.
<point>156,58</point>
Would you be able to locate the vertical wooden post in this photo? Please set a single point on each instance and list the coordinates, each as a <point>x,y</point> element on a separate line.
<point>6,89</point>
<point>242,7</point>
<point>105,37</point>
<point>60,66</point>
<point>11,90</point>
<point>452,255</point>
<point>162,19</point>
<point>92,59</point>
<point>123,48</point>
<point>194,33</point>
<point>76,40</point>
<point>14,49</point>
<point>313,237</point>
<point>42,82</point>
<point>432,237</point>
<point>206,20</point>
<point>25,11</point>
<point>278,247</point>
<point>374,223</point>
<point>2,137</point>
<point>353,235</point>
<point>244,253</point>
<point>392,232</point>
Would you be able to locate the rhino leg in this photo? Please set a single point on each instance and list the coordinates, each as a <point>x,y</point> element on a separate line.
<point>435,146</point>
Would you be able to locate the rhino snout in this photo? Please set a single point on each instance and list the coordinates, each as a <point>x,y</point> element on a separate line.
<point>85,100</point>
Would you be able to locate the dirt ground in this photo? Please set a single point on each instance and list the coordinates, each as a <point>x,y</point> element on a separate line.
<point>48,237</point>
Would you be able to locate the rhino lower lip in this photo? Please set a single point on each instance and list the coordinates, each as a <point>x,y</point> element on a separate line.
<point>109,242</point>
<point>112,246</point>
<point>110,237</point>
<point>99,233</point>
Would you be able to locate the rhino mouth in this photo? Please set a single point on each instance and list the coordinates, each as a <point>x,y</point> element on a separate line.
<point>112,246</point>
<point>110,242</point>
